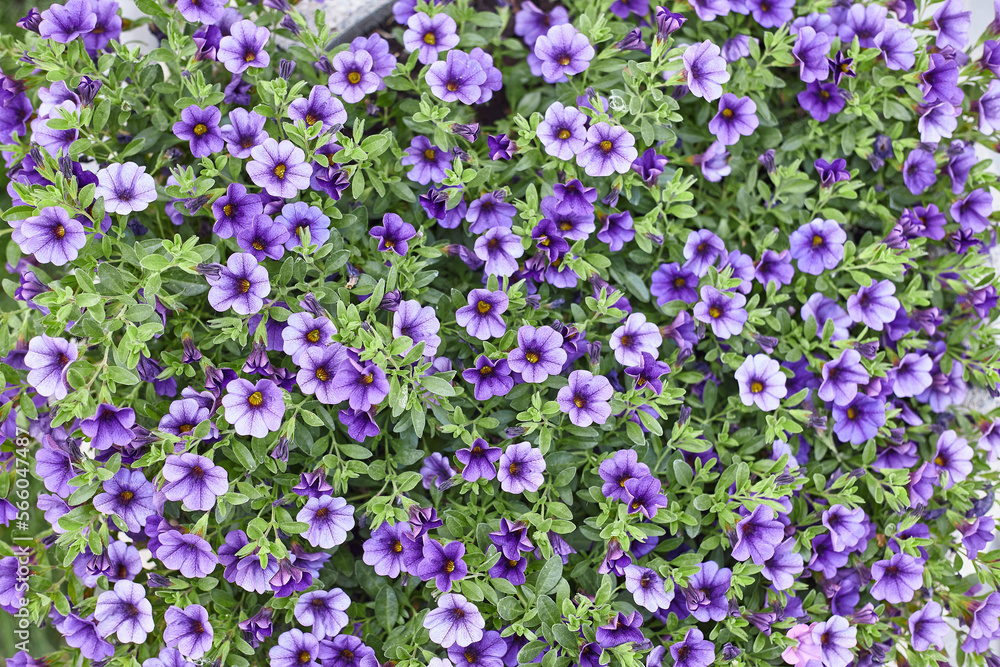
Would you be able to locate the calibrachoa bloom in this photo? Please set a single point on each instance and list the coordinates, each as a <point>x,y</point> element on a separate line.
<point>761,382</point>
<point>539,353</point>
<point>608,149</point>
<point>723,312</point>
<point>897,579</point>
<point>455,622</point>
<point>430,35</point>
<point>241,285</point>
<point>200,128</point>
<point>737,117</point>
<point>124,612</point>
<point>705,70</point>
<point>244,47</point>
<point>563,51</point>
<point>585,398</point>
<point>194,481</point>
<point>393,234</point>
<point>563,132</point>
<point>521,468</point>
<point>52,237</point>
<point>817,246</point>
<point>253,409</point>
<point>126,188</point>
<point>279,168</point>
<point>329,520</point>
<point>481,317</point>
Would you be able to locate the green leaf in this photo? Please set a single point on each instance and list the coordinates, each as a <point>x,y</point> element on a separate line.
<point>437,386</point>
<point>386,607</point>
<point>549,575</point>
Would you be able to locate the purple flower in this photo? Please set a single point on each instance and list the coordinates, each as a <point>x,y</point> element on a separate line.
<point>263,239</point>
<point>419,324</point>
<point>585,398</point>
<point>758,535</point>
<point>648,588</point>
<point>671,282</point>
<point>863,22</point>
<point>244,47</point>
<point>353,76</point>
<point>459,77</point>
<point>737,117</point>
<point>480,460</point>
<point>329,519</point>
<point>295,649</point>
<point>200,128</point>
<point>430,35</point>
<point>436,471</point>
<point>297,217</point>
<point>704,70</point>
<point>52,236</point>
<point>811,50</point>
<point>940,81</point>
<point>126,188</point>
<point>68,22</point>
<point>487,652</point>
<point>817,246</point>
<point>761,383</point>
<point>771,14</point>
<point>774,267</point>
<point>927,628</point>
<point>693,651</point>
<point>499,145</point>
<point>919,171</point>
<point>952,24</point>
<point>897,579</point>
<point>538,353</point>
<point>736,48</point>
<point>129,496</point>
<point>235,210</point>
<point>621,629</point>
<point>898,46</point>
<point>847,527</point>
<point>490,378</point>
<point>642,495</point>
<point>859,421</point>
<point>429,162</point>
<point>193,480</point>
<point>618,470</point>
<point>832,172</point>
<point>206,12</point>
<point>649,166</point>
<point>714,162</point>
<point>874,305</point>
<point>323,612</point>
<point>521,468</point>
<point>254,409</point>
<point>48,360</point>
<point>841,378</point>
<point>635,337</point>
<point>383,551</point>
<point>784,566</point>
<point>125,612</point>
<point>481,318</point>
<point>82,634</point>
<point>304,331</point>
<point>393,234</point>
<point>279,168</point>
<point>563,51</point>
<point>361,385</point>
<point>319,107</point>
<point>723,312</point>
<point>647,373</point>
<point>821,100</point>
<point>188,630</point>
<point>499,248</point>
<point>244,133</point>
<point>109,427</point>
<point>563,132</point>
<point>911,375</point>
<point>530,22</point>
<point>972,212</point>
<point>954,457</point>
<point>702,249</point>
<point>443,564</point>
<point>488,211</point>
<point>455,622</point>
<point>608,149</point>
<point>242,284</point>
<point>835,638</point>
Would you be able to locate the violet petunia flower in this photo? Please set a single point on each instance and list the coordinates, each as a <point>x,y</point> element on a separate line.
<point>538,353</point>
<point>563,131</point>
<point>455,622</point>
<point>647,373</point>
<point>419,324</point>
<point>919,171</point>
<point>329,519</point>
<point>835,637</point>
<point>785,566</point>
<point>193,480</point>
<point>563,52</point>
<point>393,234</point>
<point>706,595</point>
<point>499,248</point>
<point>279,168</point>
<point>521,468</point>
<point>68,22</point>
<point>841,378</point>
<point>459,77</point>
<point>648,588</point>
<point>254,409</point>
<point>859,421</point>
<point>810,51</point>
<point>618,470</point>
<point>897,579</point>
<point>672,282</point>
<point>241,285</point>
<point>298,217</point>
<point>262,239</point>
<point>126,188</point>
<point>125,612</point>
<point>481,317</point>
<point>758,535</point>
<point>874,305</point>
<point>200,128</point>
<point>927,628</point>
<point>761,382</point>
<point>737,118</point>
<point>109,427</point>
<point>817,246</point>
<point>693,651</point>
<point>383,551</point>
<point>429,162</point>
<point>723,312</point>
<point>704,70</point>
<point>362,385</point>
<point>898,46</point>
<point>294,649</point>
<point>702,249</point>
<point>320,107</point>
<point>244,47</point>
<point>48,360</point>
<point>585,398</point>
<point>52,236</point>
<point>633,338</point>
<point>443,564</point>
<point>304,331</point>
<point>489,378</point>
<point>954,457</point>
<point>642,496</point>
<point>480,460</point>
<point>129,496</point>
<point>609,149</point>
<point>821,100</point>
<point>323,612</point>
<point>188,630</point>
<point>911,375</point>
<point>235,210</point>
<point>430,36</point>
<point>847,527</point>
<point>952,24</point>
<point>244,133</point>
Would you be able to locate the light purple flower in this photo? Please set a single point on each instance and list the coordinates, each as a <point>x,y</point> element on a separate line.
<point>585,398</point>
<point>609,149</point>
<point>705,70</point>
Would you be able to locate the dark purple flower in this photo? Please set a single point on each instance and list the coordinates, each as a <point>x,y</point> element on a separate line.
<point>859,421</point>
<point>817,246</point>
<point>254,409</point>
<point>940,81</point>
<point>68,22</point>
<point>693,651</point>
<point>200,128</point>
<point>443,564</point>
<point>642,495</point>
<point>459,77</point>
<point>621,629</point>
<point>429,162</point>
<point>244,132</point>
<point>245,46</point>
<point>897,579</point>
<point>479,460</point>
<point>361,384</point>
<point>563,51</point>
<point>279,168</point>
<point>821,100</point>
<point>500,146</point>
<point>737,117</point>
<point>490,378</point>
<point>538,353</point>
<point>810,51</point>
<point>832,172</point>
<point>704,70</point>
<point>723,312</point>
<point>319,107</point>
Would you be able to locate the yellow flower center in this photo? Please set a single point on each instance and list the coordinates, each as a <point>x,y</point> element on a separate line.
<point>200,129</point>
<point>429,38</point>
<point>313,336</point>
<point>606,146</point>
<point>756,387</point>
<point>243,286</point>
<point>565,134</point>
<point>354,77</point>
<point>532,357</point>
<point>483,307</point>
<point>279,171</point>
<point>256,399</point>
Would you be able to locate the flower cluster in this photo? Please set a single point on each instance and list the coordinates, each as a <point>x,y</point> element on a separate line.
<point>578,334</point>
